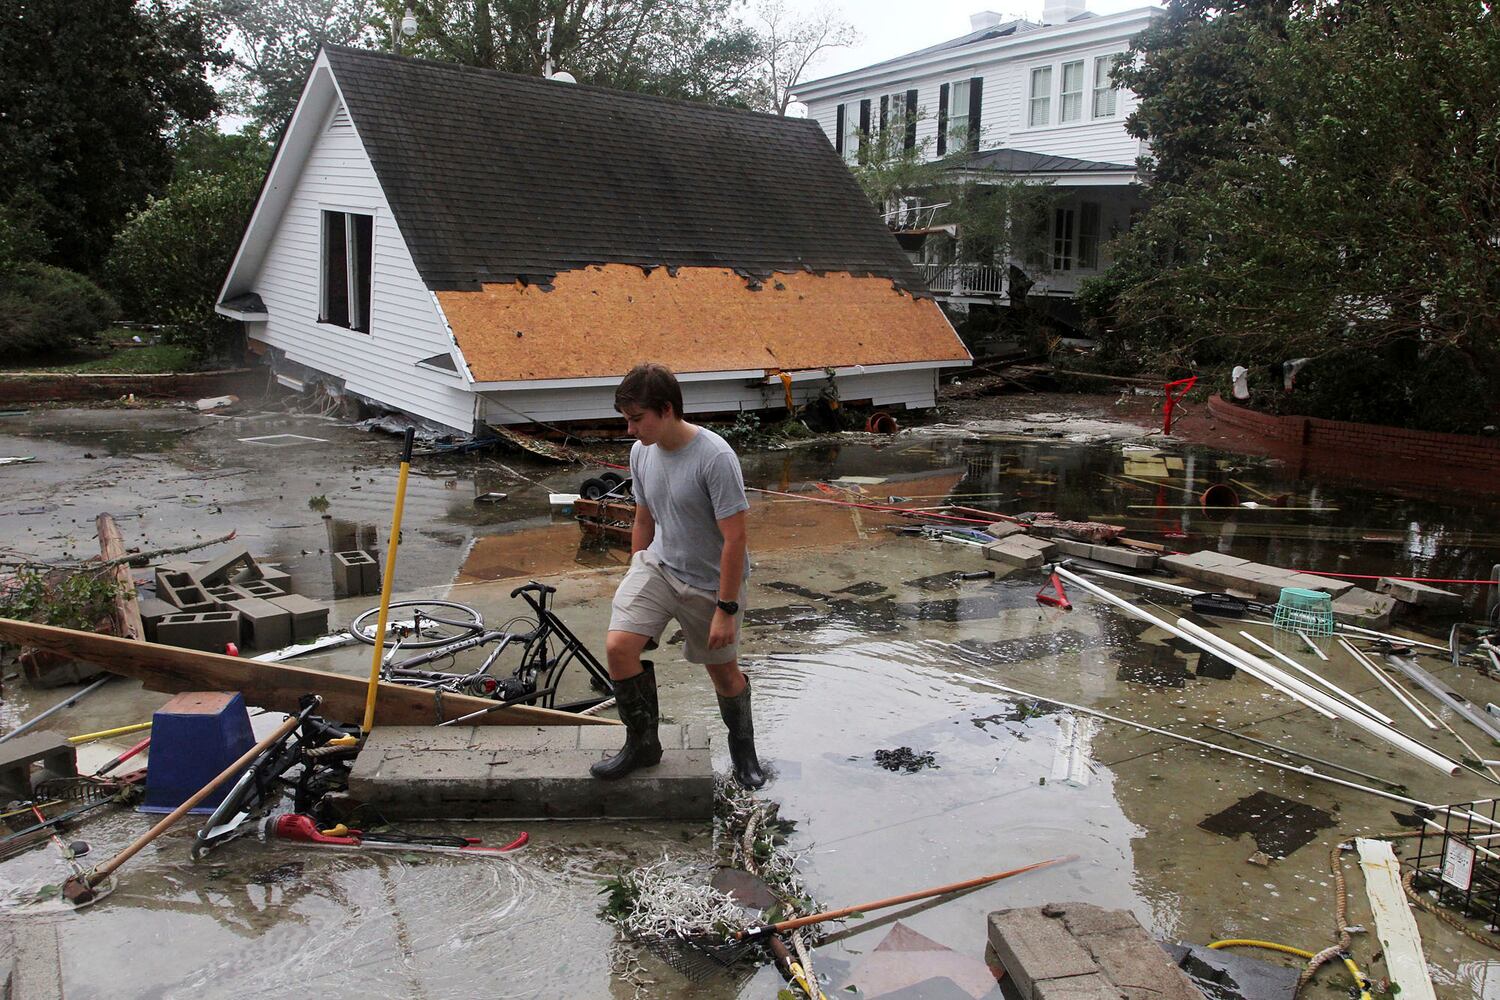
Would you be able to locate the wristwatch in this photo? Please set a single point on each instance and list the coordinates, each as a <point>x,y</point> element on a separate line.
<point>729,607</point>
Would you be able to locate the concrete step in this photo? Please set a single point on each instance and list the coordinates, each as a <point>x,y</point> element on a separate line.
<point>528,772</point>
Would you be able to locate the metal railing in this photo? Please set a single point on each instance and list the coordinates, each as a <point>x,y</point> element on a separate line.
<point>963,279</point>
<point>912,216</point>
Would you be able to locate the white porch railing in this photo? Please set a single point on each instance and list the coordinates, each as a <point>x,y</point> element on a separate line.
<point>963,279</point>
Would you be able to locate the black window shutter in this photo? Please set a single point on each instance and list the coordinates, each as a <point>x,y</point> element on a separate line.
<point>976,99</point>
<point>864,129</point>
<point>838,130</point>
<point>885,112</point>
<point>911,119</point>
<point>942,145</point>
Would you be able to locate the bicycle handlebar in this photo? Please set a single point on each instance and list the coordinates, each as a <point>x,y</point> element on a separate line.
<point>540,588</point>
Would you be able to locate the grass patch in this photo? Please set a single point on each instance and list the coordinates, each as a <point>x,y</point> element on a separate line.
<point>149,360</point>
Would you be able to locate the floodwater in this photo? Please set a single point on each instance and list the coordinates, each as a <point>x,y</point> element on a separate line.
<point>858,639</point>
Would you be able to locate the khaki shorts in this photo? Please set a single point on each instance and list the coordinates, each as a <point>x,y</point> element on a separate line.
<point>650,596</point>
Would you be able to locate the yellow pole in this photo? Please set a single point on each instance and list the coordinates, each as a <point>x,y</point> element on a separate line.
<point>390,576</point>
<point>105,734</point>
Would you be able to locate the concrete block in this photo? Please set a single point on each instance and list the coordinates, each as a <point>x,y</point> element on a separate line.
<point>1420,595</point>
<point>261,589</point>
<point>1327,584</point>
<point>276,577</point>
<point>309,618</point>
<point>527,772</point>
<point>1113,555</point>
<point>172,566</point>
<point>352,574</point>
<point>182,592</point>
<point>1021,550</point>
<point>52,755</point>
<point>1363,607</point>
<point>263,625</point>
<point>218,570</point>
<point>1004,529</point>
<point>371,572</point>
<point>1136,966</point>
<point>153,610</point>
<point>208,631</point>
<point>1035,948</point>
<point>1090,987</point>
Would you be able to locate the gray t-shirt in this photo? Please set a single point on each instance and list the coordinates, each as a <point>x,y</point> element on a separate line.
<point>688,491</point>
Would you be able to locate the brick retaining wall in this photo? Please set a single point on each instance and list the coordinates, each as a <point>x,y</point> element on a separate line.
<point>1372,441</point>
<point>67,387</point>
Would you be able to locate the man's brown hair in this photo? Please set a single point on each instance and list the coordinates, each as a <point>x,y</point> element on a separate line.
<point>650,386</point>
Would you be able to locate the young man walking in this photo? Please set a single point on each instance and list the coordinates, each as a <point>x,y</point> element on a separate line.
<point>688,561</point>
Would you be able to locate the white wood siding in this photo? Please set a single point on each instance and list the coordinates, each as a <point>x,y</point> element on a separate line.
<point>910,389</point>
<point>405,324</point>
<point>1003,110</point>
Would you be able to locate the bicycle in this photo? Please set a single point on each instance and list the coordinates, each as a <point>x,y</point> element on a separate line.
<point>444,629</point>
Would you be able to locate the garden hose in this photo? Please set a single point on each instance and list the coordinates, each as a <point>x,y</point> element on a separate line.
<point>1359,979</point>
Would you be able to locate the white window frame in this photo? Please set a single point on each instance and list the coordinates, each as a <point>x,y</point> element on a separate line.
<point>958,120</point>
<point>351,267</point>
<point>895,111</point>
<point>851,131</point>
<point>1042,100</point>
<point>1064,95</point>
<point>1105,92</point>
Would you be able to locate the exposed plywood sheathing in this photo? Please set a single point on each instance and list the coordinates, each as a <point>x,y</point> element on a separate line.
<point>601,320</point>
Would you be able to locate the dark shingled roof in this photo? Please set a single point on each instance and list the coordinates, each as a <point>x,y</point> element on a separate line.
<point>494,177</point>
<point>1021,161</point>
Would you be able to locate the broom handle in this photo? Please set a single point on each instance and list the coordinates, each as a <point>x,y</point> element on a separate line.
<point>103,871</point>
<point>817,918</point>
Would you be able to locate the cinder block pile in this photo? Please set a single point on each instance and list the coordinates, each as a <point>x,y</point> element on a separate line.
<point>229,599</point>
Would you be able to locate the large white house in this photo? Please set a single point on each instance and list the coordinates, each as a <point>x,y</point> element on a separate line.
<point>1030,101</point>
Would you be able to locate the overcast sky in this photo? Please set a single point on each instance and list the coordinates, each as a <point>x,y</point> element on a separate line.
<point>889,28</point>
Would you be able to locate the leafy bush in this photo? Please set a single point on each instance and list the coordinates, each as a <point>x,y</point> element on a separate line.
<point>170,260</point>
<point>1403,385</point>
<point>49,310</point>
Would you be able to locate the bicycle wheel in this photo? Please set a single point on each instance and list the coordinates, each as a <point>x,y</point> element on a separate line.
<point>442,622</point>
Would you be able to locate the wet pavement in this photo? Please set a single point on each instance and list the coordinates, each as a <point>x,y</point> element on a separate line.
<point>858,640</point>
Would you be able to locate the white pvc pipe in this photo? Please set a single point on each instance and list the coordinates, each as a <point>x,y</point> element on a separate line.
<point>1395,737</point>
<point>1389,686</point>
<point>1321,680</point>
<point>1173,630</point>
<point>1261,670</point>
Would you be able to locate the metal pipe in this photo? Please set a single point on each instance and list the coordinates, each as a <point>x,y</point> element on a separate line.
<point>1298,753</point>
<point>1389,686</point>
<point>1431,685</point>
<point>72,699</point>
<point>1328,684</point>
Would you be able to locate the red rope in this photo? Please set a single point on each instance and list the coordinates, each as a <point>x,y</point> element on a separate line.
<point>1411,579</point>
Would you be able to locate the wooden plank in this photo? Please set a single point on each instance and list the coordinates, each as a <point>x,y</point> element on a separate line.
<point>275,686</point>
<point>1394,924</point>
<point>127,609</point>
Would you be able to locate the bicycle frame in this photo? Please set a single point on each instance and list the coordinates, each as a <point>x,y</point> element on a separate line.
<point>535,679</point>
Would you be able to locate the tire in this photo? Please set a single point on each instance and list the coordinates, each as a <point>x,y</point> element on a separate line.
<point>458,621</point>
<point>592,489</point>
<point>612,479</point>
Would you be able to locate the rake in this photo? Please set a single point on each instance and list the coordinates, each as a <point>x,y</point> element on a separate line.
<point>701,956</point>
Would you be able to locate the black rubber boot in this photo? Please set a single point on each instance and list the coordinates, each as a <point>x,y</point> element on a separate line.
<point>741,725</point>
<point>635,697</point>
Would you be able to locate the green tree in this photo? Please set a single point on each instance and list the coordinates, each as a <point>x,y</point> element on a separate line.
<point>171,257</point>
<point>1349,208</point>
<point>90,95</point>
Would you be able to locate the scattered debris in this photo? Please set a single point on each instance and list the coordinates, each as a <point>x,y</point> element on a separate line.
<point>905,759</point>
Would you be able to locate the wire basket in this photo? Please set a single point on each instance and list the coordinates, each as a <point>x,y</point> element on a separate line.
<point>1456,861</point>
<point>1307,611</point>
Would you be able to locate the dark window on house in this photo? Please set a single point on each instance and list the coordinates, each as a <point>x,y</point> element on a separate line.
<point>348,242</point>
<point>1088,235</point>
<point>1062,240</point>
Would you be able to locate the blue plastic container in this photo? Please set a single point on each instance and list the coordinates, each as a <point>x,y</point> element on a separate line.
<point>194,737</point>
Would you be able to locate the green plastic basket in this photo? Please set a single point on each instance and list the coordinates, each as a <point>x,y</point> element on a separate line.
<point>1309,611</point>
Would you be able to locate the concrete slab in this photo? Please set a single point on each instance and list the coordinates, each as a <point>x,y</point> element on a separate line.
<point>1003,529</point>
<point>1090,987</point>
<point>37,970</point>
<point>1035,948</point>
<point>1363,607</point>
<point>529,772</point>
<point>1111,554</point>
<point>1420,594</point>
<point>1021,550</point>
